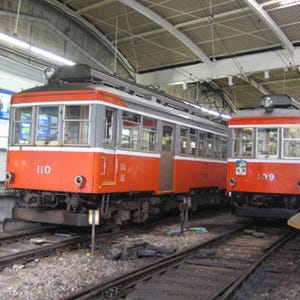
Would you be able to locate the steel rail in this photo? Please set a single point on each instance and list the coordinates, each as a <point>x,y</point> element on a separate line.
<point>120,285</point>
<point>225,294</point>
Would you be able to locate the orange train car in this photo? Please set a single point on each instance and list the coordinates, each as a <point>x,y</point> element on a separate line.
<point>89,140</point>
<point>263,175</point>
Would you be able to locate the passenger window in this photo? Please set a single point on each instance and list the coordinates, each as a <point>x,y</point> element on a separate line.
<point>22,126</point>
<point>149,133</point>
<point>47,125</point>
<point>220,148</point>
<point>109,120</point>
<point>130,130</point>
<point>242,142</point>
<point>267,142</point>
<point>202,143</point>
<point>76,124</point>
<point>193,143</point>
<point>291,142</point>
<point>210,144</point>
<point>184,141</point>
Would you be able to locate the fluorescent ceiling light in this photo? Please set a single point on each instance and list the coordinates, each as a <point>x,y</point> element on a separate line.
<point>18,43</point>
<point>208,111</point>
<point>14,41</point>
<point>52,56</point>
<point>289,2</point>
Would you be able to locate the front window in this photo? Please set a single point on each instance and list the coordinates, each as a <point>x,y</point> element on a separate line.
<point>47,125</point>
<point>22,126</point>
<point>267,142</point>
<point>243,142</point>
<point>76,124</point>
<point>291,142</point>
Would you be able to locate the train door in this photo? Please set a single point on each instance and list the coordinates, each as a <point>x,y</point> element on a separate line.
<point>109,159</point>
<point>167,157</point>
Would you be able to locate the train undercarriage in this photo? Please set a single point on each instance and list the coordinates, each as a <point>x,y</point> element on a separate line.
<point>265,205</point>
<point>115,209</point>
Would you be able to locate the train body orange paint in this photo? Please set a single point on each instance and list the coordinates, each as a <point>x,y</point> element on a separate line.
<point>97,142</point>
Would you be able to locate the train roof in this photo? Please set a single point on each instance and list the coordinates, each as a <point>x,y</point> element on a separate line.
<point>272,105</point>
<point>82,77</point>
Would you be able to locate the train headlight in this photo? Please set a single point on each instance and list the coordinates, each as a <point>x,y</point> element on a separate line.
<point>267,103</point>
<point>10,177</point>
<point>298,183</point>
<point>49,72</point>
<point>232,181</point>
<point>80,181</point>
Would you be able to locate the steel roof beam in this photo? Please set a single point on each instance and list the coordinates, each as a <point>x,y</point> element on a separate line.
<point>169,27</point>
<point>271,23</point>
<point>91,28</point>
<point>247,64</point>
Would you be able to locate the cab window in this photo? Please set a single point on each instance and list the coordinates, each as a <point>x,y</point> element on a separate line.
<point>267,143</point>
<point>22,126</point>
<point>291,142</point>
<point>47,125</point>
<point>242,142</point>
<point>76,124</point>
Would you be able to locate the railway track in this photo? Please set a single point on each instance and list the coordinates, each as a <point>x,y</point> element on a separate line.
<point>206,271</point>
<point>26,245</point>
<point>24,248</point>
<point>280,269</point>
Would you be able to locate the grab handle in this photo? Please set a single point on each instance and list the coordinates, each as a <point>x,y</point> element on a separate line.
<point>103,166</point>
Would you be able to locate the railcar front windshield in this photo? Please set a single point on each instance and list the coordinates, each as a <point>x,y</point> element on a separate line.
<point>22,126</point>
<point>267,143</point>
<point>47,125</point>
<point>54,125</point>
<point>242,142</point>
<point>291,142</point>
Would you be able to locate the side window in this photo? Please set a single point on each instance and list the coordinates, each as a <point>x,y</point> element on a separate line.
<point>109,121</point>
<point>224,148</point>
<point>267,142</point>
<point>210,145</point>
<point>47,125</point>
<point>184,141</point>
<point>76,124</point>
<point>22,126</point>
<point>220,147</point>
<point>242,142</point>
<point>202,143</point>
<point>130,130</point>
<point>291,142</point>
<point>149,133</point>
<point>193,142</point>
